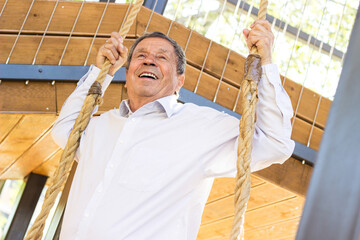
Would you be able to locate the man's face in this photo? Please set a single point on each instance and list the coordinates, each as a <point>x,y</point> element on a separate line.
<point>152,71</point>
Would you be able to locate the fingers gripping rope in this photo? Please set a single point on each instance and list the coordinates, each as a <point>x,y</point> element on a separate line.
<point>62,172</point>
<point>249,99</point>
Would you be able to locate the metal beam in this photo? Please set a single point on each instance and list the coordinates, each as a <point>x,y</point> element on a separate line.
<point>26,207</point>
<point>73,73</point>
<point>49,72</point>
<point>332,208</point>
<point>56,221</point>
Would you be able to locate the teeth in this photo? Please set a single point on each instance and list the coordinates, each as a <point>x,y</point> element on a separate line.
<point>148,75</point>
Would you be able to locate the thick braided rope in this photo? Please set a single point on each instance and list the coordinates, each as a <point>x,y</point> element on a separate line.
<point>242,187</point>
<point>63,171</point>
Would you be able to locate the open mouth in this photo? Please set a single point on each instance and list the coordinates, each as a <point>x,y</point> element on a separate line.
<point>148,75</point>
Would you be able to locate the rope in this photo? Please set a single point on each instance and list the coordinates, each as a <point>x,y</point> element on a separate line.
<point>249,99</point>
<point>62,172</point>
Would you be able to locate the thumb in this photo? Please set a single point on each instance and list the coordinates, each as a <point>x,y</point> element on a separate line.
<point>246,33</point>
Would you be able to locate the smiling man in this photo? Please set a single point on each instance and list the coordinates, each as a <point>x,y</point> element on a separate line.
<point>145,170</point>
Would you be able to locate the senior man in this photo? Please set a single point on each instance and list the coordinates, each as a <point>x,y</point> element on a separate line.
<point>145,170</point>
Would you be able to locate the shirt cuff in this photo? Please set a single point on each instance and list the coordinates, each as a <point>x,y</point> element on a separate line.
<point>89,78</point>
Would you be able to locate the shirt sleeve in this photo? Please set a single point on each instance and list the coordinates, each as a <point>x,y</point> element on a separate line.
<point>72,106</point>
<point>271,141</point>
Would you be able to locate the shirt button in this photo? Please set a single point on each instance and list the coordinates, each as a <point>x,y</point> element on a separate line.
<point>121,142</point>
<point>86,215</point>
<point>133,119</point>
<point>99,190</point>
<point>111,166</point>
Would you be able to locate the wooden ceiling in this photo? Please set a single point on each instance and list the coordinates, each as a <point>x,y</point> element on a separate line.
<point>27,111</point>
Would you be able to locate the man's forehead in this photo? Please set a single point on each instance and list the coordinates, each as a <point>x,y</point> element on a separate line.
<point>162,45</point>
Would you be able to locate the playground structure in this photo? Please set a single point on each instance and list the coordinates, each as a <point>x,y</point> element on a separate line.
<point>29,106</point>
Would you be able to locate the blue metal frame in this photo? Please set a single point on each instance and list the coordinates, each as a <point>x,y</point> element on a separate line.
<point>160,5</point>
<point>48,72</point>
<point>73,73</point>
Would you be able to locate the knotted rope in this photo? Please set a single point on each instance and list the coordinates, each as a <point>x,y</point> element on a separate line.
<point>248,101</point>
<point>66,160</point>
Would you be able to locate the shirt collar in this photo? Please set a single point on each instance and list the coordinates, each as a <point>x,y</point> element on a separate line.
<point>169,105</point>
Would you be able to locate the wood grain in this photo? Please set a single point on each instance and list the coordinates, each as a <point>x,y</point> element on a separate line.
<point>291,175</point>
<point>261,195</point>
<point>7,123</point>
<point>258,218</point>
<point>23,136</point>
<point>64,17</point>
<point>39,152</point>
<point>48,167</point>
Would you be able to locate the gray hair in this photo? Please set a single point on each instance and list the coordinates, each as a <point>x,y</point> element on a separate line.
<point>180,55</point>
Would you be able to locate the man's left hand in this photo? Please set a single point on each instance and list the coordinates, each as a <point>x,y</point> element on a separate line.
<point>262,37</point>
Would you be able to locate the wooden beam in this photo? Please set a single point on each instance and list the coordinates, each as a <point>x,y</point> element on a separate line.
<point>64,17</point>
<point>26,207</point>
<point>260,196</point>
<point>264,217</point>
<point>28,131</point>
<point>291,175</point>
<point>332,207</point>
<point>43,149</point>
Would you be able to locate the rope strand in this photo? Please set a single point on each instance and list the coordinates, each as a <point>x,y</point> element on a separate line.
<point>249,99</point>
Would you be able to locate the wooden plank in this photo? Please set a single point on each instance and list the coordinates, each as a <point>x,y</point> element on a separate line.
<point>301,133</point>
<point>16,96</point>
<point>308,103</point>
<point>48,167</point>
<point>260,196</point>
<point>64,17</point>
<point>7,123</point>
<point>277,231</point>
<point>291,175</point>
<point>262,217</point>
<point>32,158</point>
<point>112,97</point>
<point>51,49</point>
<point>23,136</point>
<point>2,2</point>
<point>14,14</point>
<point>281,231</point>
<point>223,187</point>
<point>274,213</point>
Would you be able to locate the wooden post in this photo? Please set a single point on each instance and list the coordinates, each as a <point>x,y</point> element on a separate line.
<point>26,207</point>
<point>332,208</point>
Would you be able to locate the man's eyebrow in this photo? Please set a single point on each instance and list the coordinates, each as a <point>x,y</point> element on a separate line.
<point>163,50</point>
<point>140,50</point>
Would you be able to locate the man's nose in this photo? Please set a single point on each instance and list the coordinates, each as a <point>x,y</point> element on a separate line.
<point>150,60</point>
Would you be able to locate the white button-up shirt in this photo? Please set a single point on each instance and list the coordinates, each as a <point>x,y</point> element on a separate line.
<point>148,174</point>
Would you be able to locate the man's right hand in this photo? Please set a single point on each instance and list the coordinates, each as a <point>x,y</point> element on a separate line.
<point>115,51</point>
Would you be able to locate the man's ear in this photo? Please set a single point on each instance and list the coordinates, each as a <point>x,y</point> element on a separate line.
<point>181,80</point>
<point>126,73</point>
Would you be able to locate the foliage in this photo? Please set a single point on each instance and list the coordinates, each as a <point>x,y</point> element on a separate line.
<point>329,21</point>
